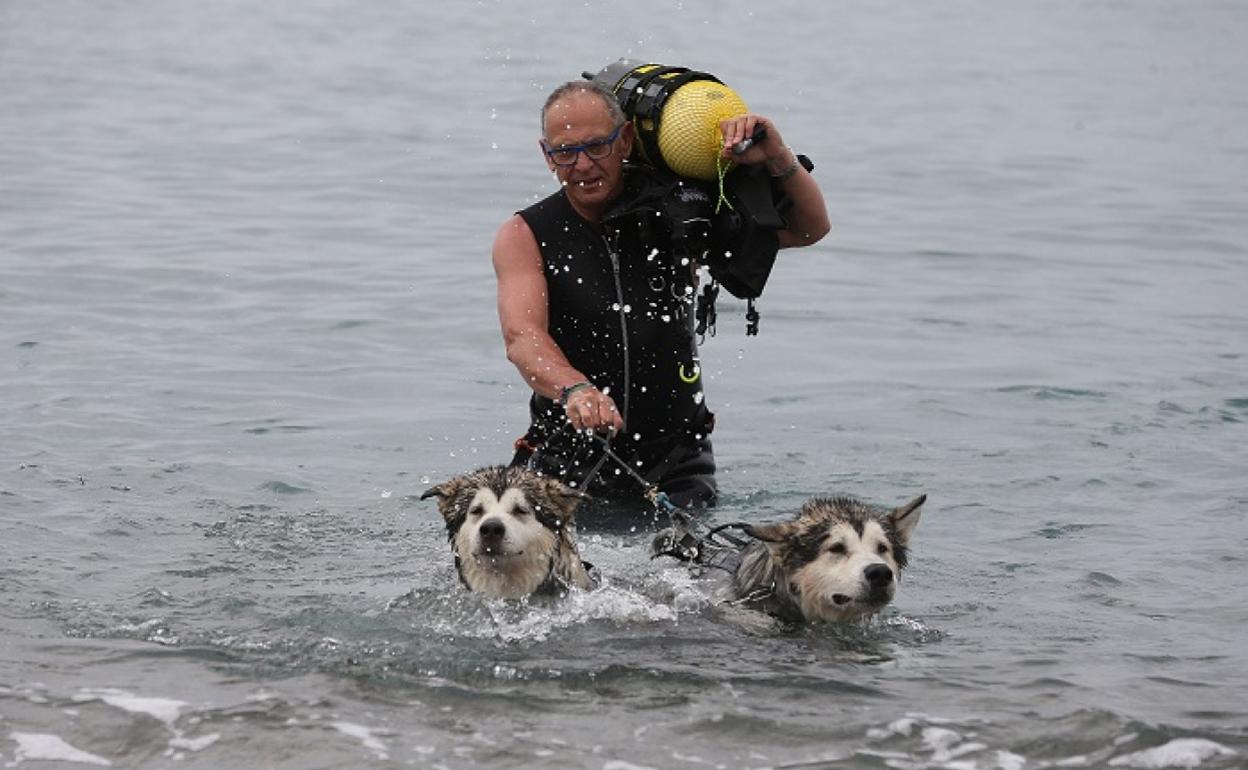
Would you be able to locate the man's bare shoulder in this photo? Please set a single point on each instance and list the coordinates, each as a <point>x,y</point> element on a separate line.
<point>514,229</point>
<point>515,245</point>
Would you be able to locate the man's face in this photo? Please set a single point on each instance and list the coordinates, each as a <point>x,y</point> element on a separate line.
<point>577,119</point>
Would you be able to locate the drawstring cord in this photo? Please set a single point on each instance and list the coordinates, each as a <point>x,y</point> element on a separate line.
<point>721,170</point>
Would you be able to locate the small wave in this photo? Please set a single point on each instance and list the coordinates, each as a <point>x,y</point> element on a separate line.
<point>282,488</point>
<point>1052,393</point>
<point>51,748</point>
<point>533,620</point>
<point>1055,531</point>
<point>1181,752</point>
<point>165,710</point>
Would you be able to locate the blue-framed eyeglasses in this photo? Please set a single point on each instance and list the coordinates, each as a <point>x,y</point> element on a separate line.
<point>595,150</point>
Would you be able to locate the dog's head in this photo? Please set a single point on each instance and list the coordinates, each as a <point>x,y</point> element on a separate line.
<point>840,559</point>
<point>511,530</point>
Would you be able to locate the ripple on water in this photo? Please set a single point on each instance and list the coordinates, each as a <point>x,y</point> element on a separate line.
<point>1052,392</point>
<point>282,488</point>
<point>1058,531</point>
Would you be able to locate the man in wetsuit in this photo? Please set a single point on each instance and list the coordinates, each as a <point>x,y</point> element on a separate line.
<point>596,310</point>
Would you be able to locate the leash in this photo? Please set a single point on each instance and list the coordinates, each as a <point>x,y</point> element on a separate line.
<point>679,540</point>
<point>651,491</point>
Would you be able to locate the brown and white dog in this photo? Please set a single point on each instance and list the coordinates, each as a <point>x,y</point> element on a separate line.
<point>839,559</point>
<point>511,531</point>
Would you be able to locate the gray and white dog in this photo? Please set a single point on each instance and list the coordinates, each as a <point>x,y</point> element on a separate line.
<point>511,531</point>
<point>839,559</point>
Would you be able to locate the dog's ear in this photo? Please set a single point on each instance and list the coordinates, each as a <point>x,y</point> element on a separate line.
<point>776,532</point>
<point>564,498</point>
<point>906,517</point>
<point>446,493</point>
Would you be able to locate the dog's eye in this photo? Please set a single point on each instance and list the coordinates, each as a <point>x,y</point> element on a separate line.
<point>882,549</point>
<point>476,510</point>
<point>518,511</point>
<point>837,548</point>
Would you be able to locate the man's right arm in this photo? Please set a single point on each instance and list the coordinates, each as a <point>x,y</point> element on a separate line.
<point>524,315</point>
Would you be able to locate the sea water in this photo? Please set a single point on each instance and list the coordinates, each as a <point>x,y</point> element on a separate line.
<point>247,316</point>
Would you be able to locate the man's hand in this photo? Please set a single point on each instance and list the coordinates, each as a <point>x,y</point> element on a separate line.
<point>807,219</point>
<point>591,409</point>
<point>771,149</point>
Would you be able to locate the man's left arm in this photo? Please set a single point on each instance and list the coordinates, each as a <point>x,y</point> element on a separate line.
<point>808,216</point>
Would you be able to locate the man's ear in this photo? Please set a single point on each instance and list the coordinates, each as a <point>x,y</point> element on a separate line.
<point>550,164</point>
<point>627,135</point>
<point>905,518</point>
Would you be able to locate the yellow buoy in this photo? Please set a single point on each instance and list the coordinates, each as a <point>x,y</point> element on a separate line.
<point>676,112</point>
<point>689,136</point>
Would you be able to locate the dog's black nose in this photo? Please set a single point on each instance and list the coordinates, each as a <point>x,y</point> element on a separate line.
<point>492,529</point>
<point>878,575</point>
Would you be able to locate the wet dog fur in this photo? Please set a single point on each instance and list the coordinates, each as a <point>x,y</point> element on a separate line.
<point>511,531</point>
<point>838,560</point>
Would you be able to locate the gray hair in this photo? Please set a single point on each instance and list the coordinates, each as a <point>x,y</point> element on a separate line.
<point>585,87</point>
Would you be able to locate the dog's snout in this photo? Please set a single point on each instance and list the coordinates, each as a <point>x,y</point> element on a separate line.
<point>492,529</point>
<point>878,575</point>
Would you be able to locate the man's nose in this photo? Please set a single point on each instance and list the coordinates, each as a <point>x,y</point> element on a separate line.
<point>583,161</point>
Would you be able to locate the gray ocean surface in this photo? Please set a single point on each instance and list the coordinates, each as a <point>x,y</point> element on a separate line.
<point>247,317</point>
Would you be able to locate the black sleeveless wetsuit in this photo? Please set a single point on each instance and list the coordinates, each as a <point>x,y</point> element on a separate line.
<point>621,309</point>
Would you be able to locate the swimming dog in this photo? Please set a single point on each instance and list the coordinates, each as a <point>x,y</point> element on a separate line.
<point>839,559</point>
<point>511,531</point>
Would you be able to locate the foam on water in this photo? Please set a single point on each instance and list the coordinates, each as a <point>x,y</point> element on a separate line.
<point>164,709</point>
<point>365,735</point>
<point>53,748</point>
<point>1180,752</point>
<point>511,623</point>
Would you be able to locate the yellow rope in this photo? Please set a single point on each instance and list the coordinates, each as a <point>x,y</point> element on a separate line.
<point>721,170</point>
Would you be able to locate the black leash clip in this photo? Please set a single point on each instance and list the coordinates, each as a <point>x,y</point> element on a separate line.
<point>705,313</point>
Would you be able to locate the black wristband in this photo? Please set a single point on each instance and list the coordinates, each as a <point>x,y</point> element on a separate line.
<point>568,390</point>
